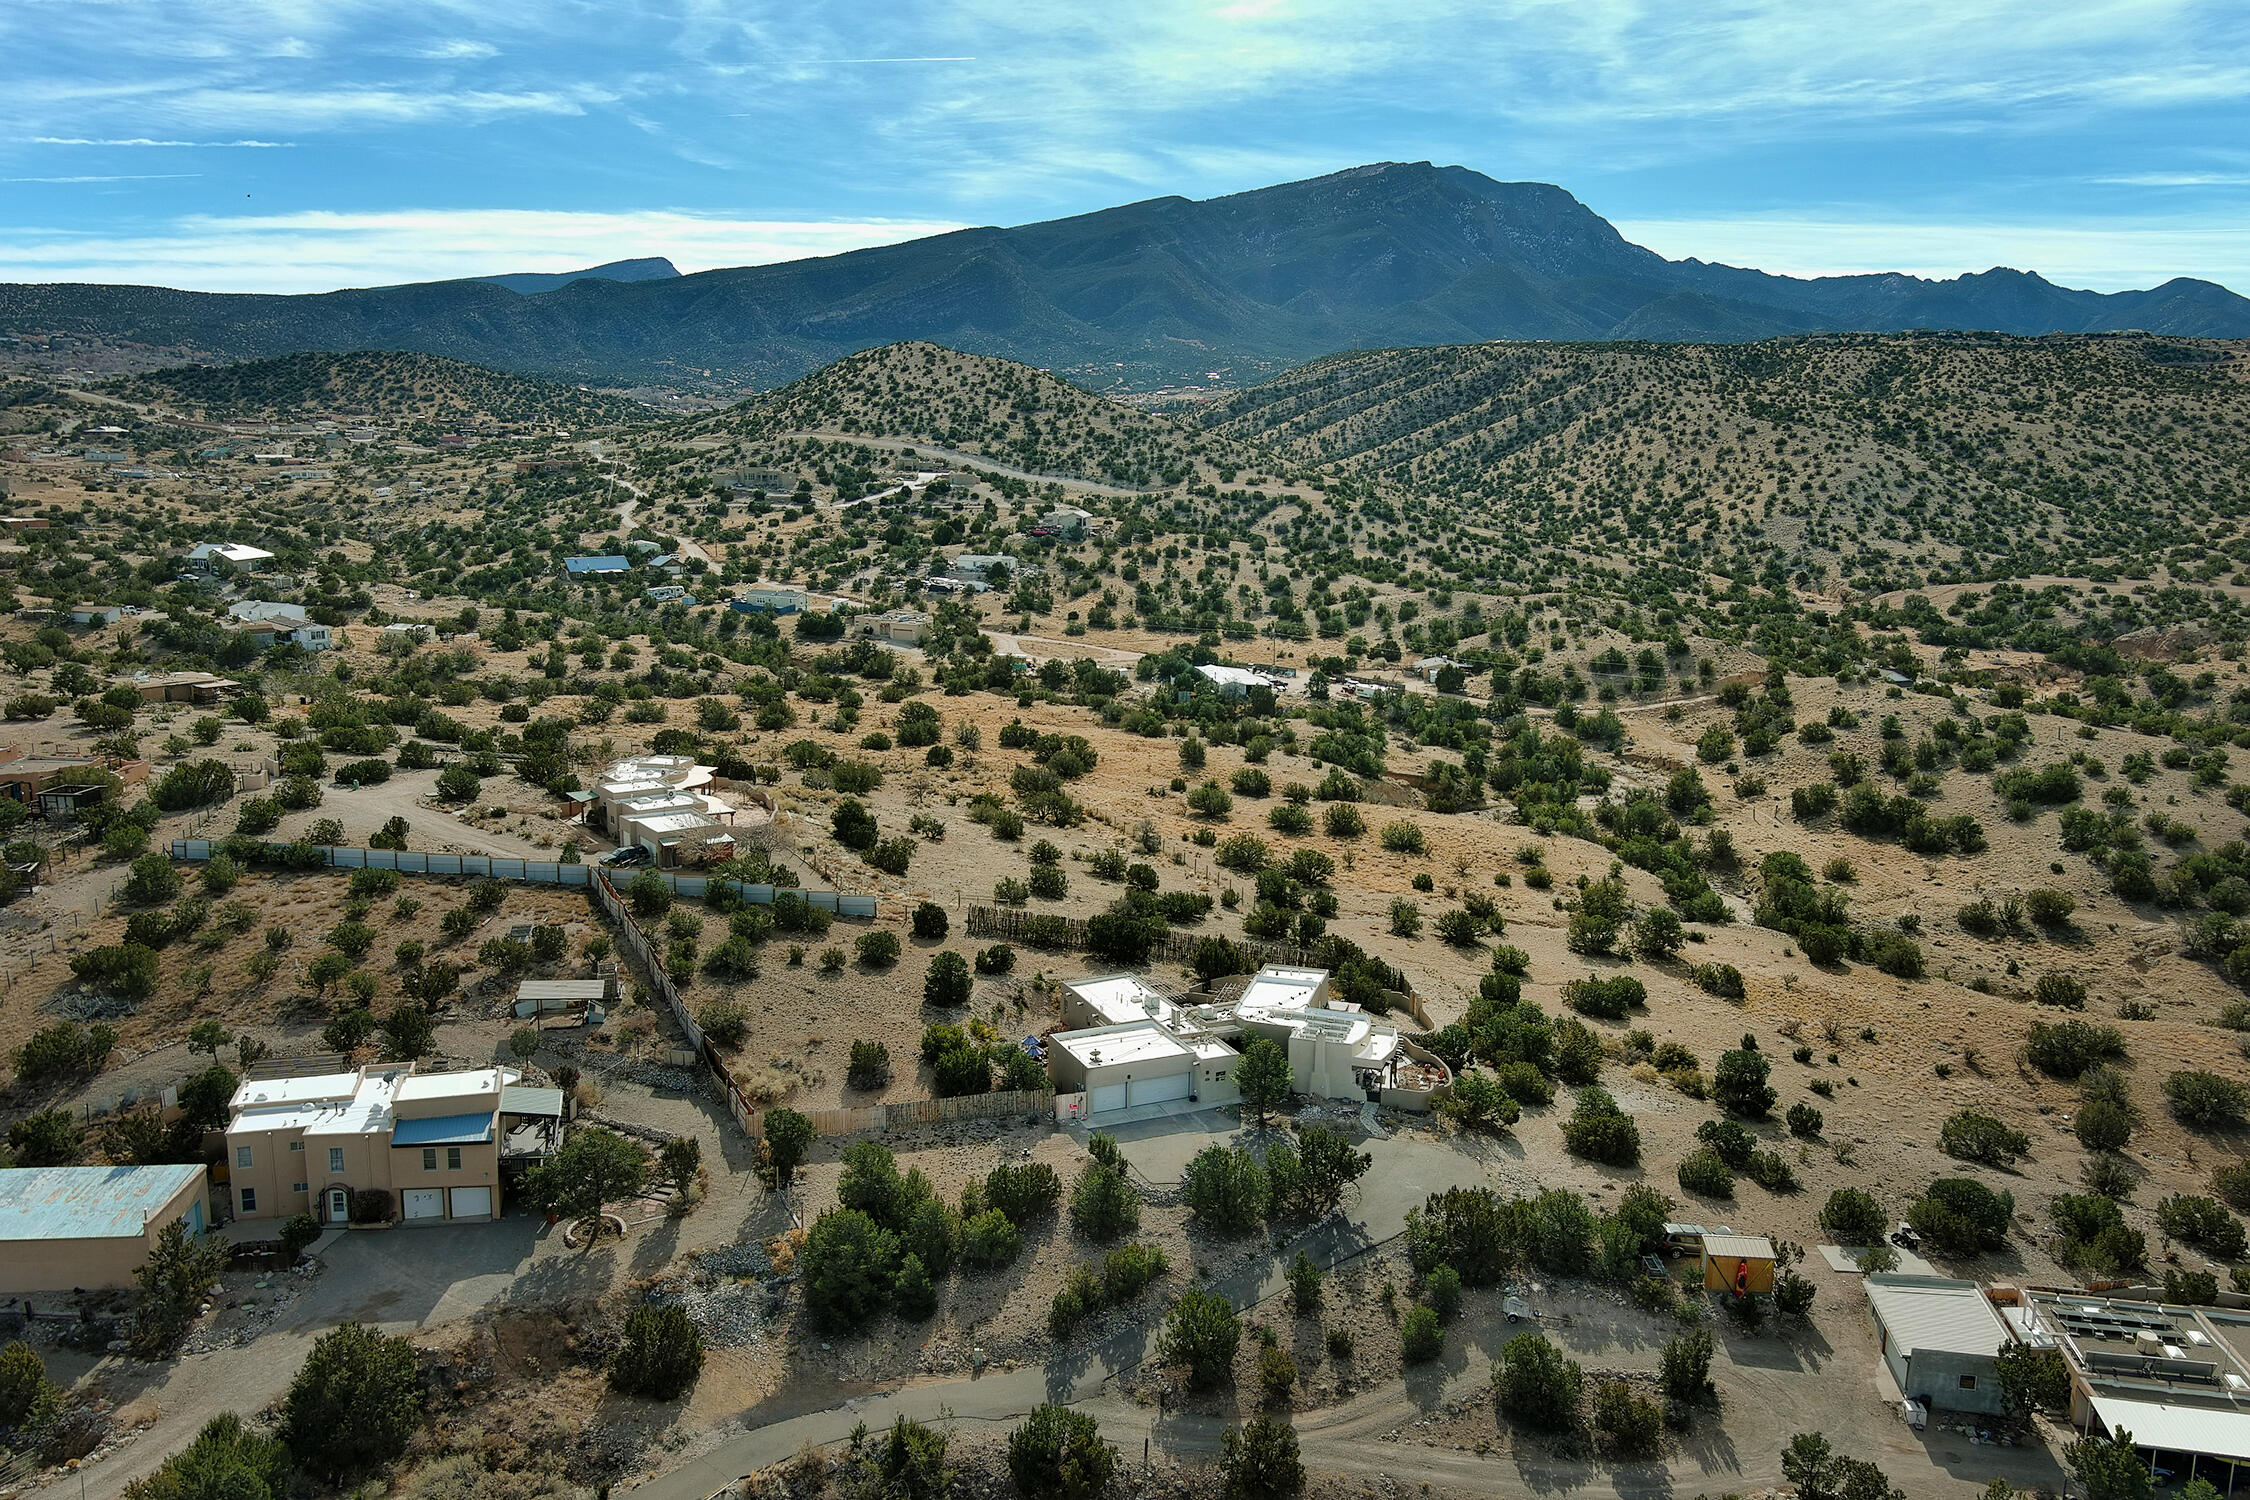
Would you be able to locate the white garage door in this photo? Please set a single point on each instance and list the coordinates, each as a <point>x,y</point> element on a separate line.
<point>1157,1090</point>
<point>472,1203</point>
<point>1106,1097</point>
<point>425,1203</point>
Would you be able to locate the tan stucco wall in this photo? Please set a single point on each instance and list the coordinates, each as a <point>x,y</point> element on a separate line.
<point>28,1266</point>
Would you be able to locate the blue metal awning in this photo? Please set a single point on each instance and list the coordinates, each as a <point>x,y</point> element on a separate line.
<point>443,1130</point>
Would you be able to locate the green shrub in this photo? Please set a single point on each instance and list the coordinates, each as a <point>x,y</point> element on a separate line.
<point>1420,1338</point>
<point>1202,1333</point>
<point>1961,1217</point>
<point>1058,1454</point>
<point>660,1356</point>
<point>1533,1383</point>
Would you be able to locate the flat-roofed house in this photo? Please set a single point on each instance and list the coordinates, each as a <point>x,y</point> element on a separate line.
<point>2176,1378</point>
<point>1335,1049</point>
<point>63,1228</point>
<point>425,1146</point>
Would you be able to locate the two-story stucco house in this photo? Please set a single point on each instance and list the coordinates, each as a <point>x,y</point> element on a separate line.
<point>316,1143</point>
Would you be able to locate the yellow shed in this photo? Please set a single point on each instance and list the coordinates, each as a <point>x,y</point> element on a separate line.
<point>1737,1263</point>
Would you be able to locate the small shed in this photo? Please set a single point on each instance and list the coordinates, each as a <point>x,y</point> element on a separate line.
<point>578,999</point>
<point>1737,1263</point>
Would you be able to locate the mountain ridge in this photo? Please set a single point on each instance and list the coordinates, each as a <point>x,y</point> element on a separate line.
<point>1145,294</point>
<point>642,268</point>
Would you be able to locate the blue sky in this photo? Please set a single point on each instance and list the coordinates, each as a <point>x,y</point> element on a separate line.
<point>300,145</point>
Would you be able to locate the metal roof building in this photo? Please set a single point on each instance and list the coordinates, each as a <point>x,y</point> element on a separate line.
<point>1941,1339</point>
<point>68,1227</point>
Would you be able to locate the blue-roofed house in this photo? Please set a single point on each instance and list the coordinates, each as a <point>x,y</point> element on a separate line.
<point>369,1145</point>
<point>66,1228</point>
<point>580,566</point>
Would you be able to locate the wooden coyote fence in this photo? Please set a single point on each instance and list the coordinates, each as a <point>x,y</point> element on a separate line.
<point>909,1112</point>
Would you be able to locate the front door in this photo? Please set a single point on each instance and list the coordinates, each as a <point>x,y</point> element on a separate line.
<point>339,1206</point>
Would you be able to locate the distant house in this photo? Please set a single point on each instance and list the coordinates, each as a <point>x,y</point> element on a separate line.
<point>1236,682</point>
<point>311,637</point>
<point>185,687</point>
<point>62,1228</point>
<point>580,566</point>
<point>771,598</point>
<point>977,567</point>
<point>265,610</point>
<point>670,593</point>
<point>97,614</point>
<point>213,557</point>
<point>1431,668</point>
<point>900,627</point>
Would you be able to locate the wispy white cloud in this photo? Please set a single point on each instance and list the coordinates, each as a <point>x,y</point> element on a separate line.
<point>142,140</point>
<point>460,49</point>
<point>109,177</point>
<point>318,251</point>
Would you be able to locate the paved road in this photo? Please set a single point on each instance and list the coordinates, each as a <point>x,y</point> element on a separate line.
<point>395,1281</point>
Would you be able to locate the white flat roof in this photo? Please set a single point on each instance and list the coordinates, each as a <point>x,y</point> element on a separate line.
<point>456,1085</point>
<point>2217,1431</point>
<point>1106,1046</point>
<point>1275,987</point>
<point>1937,1313</point>
<point>253,1092</point>
<point>672,822</point>
<point>1122,999</point>
<point>1238,676</point>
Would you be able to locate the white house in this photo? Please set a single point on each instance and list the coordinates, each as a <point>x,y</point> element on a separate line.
<point>97,614</point>
<point>212,556</point>
<point>1236,682</point>
<point>1131,1045</point>
<point>261,611</point>
<point>772,598</point>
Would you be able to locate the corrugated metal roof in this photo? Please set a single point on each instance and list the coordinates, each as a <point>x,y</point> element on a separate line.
<point>2215,1431</point>
<point>443,1130</point>
<point>1937,1313</point>
<point>522,1099</point>
<point>1743,1246</point>
<point>86,1203</point>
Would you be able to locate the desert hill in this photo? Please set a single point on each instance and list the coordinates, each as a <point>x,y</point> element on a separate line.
<point>371,383</point>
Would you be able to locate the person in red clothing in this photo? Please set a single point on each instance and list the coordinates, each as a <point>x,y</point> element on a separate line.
<point>1742,1278</point>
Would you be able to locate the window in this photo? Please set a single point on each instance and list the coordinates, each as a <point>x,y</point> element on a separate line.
<point>429,1158</point>
<point>1968,1382</point>
<point>453,1158</point>
<point>249,1198</point>
<point>335,1160</point>
<point>296,1187</point>
<point>296,1145</point>
<point>242,1156</point>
